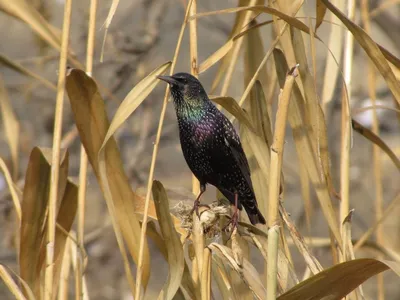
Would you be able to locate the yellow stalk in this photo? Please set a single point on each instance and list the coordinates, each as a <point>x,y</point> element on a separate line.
<point>55,167</point>
<point>375,148</point>
<point>139,270</point>
<point>275,182</point>
<point>346,126</point>
<point>194,69</point>
<point>83,157</point>
<point>235,54</point>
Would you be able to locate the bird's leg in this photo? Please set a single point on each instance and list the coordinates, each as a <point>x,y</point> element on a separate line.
<point>196,203</point>
<point>235,217</point>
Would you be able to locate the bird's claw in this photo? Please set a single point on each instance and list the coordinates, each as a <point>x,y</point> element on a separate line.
<point>196,206</point>
<point>234,222</point>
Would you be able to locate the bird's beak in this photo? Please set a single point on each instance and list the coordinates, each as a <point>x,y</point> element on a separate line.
<point>168,79</point>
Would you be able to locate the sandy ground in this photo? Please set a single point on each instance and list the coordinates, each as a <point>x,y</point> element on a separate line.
<point>142,36</point>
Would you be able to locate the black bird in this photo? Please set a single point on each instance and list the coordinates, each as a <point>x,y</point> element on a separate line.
<point>211,146</point>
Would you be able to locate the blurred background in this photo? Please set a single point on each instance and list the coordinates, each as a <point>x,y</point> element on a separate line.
<point>142,36</point>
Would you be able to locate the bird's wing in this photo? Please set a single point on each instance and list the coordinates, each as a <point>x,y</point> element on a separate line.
<point>232,141</point>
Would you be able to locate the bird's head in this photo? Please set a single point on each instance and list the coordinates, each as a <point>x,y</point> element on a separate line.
<point>186,89</point>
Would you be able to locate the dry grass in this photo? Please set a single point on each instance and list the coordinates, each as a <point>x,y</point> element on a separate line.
<point>281,89</point>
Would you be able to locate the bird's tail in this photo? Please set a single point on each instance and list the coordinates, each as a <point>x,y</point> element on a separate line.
<point>255,215</point>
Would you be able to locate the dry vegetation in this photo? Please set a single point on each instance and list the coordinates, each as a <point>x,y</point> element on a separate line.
<point>299,70</point>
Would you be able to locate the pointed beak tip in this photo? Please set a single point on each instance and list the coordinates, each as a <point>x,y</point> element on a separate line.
<point>167,79</point>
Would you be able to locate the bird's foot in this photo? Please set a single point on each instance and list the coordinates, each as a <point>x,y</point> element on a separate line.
<point>196,206</point>
<point>234,222</point>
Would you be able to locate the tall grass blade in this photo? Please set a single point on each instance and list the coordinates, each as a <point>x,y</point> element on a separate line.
<point>176,259</point>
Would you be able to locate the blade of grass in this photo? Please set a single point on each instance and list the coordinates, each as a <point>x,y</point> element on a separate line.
<point>12,188</point>
<point>11,127</point>
<point>368,134</point>
<point>174,247</point>
<point>107,24</point>
<point>10,283</point>
<point>5,61</point>
<point>132,101</point>
<point>385,214</point>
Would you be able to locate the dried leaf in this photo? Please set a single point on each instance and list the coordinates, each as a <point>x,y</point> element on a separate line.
<point>247,272</point>
<point>25,11</point>
<point>339,280</point>
<point>321,10</point>
<point>216,56</point>
<point>11,127</point>
<point>304,141</point>
<point>369,135</point>
<point>173,244</point>
<point>234,109</point>
<point>258,9</point>
<point>237,26</point>
<point>371,48</point>
<point>13,188</point>
<point>4,60</point>
<point>92,122</point>
<point>34,213</point>
<point>313,112</point>
<point>132,101</point>
<point>65,219</point>
<point>11,285</point>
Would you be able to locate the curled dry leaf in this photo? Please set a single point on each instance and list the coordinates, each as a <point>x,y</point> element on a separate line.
<point>92,122</point>
<point>338,281</point>
<point>175,254</point>
<point>34,216</point>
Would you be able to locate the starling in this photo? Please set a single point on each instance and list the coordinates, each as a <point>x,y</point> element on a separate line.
<point>211,146</point>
